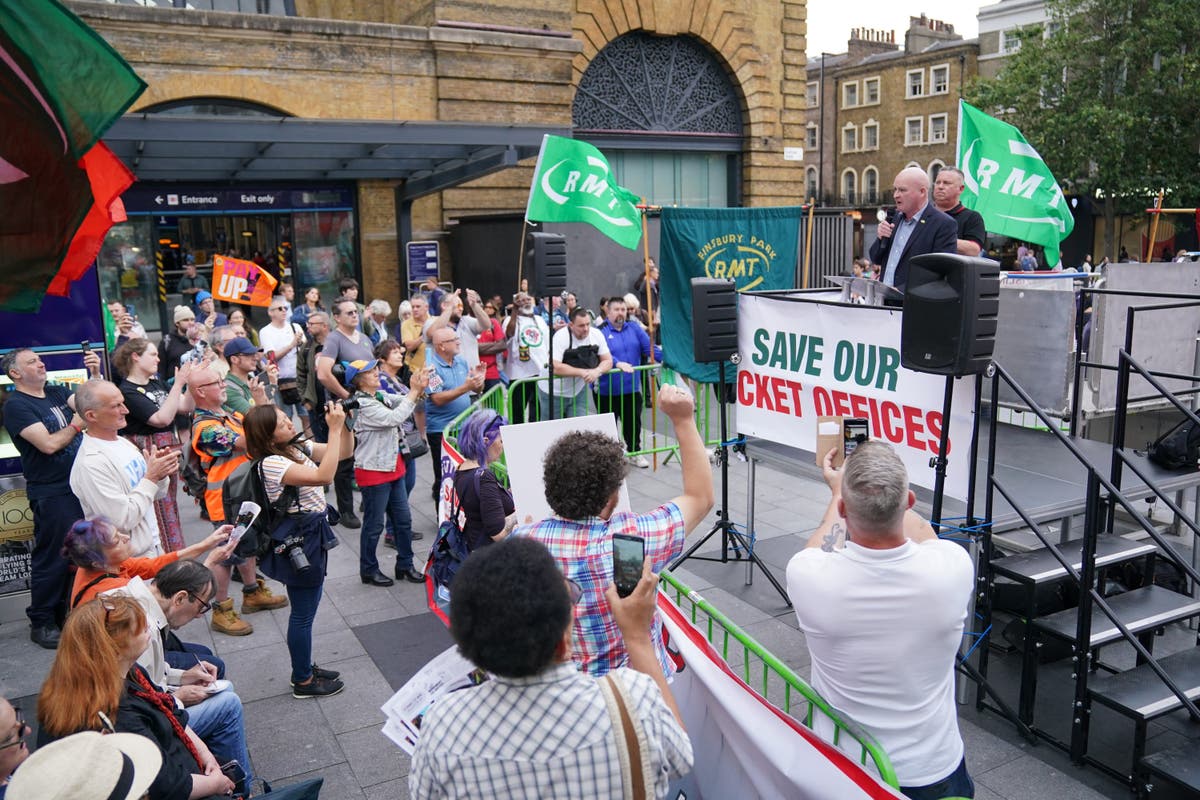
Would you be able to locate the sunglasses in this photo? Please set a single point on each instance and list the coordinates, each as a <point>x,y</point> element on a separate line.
<point>23,730</point>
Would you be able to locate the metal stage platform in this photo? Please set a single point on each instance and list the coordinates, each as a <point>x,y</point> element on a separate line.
<point>1045,477</point>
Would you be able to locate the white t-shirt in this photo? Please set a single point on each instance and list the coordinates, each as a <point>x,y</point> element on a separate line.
<point>312,498</point>
<point>528,348</point>
<point>468,331</point>
<point>272,338</point>
<point>883,628</point>
<point>562,341</point>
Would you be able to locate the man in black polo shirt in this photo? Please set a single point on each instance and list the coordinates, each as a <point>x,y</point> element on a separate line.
<point>971,232</point>
<point>40,417</point>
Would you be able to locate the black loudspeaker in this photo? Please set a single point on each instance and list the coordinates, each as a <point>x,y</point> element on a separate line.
<point>714,319</point>
<point>951,304</point>
<point>546,256</point>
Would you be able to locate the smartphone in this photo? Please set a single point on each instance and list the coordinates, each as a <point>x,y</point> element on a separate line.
<point>855,431</point>
<point>271,357</point>
<point>85,346</point>
<point>233,770</point>
<point>628,554</point>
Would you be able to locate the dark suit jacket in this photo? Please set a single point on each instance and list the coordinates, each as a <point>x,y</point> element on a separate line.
<point>936,232</point>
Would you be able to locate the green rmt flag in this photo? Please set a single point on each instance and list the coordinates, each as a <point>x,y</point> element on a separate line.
<point>571,184</point>
<point>1009,184</point>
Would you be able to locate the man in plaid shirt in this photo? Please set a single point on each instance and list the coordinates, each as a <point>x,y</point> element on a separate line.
<point>541,728</point>
<point>583,472</point>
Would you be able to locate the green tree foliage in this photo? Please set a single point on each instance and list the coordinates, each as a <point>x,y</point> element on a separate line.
<point>1108,91</point>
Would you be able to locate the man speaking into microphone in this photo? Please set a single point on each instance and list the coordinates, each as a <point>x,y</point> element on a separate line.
<point>916,228</point>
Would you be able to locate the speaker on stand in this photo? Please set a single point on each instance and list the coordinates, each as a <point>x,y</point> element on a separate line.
<point>714,338</point>
<point>546,255</point>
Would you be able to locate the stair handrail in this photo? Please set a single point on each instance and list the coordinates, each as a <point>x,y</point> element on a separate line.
<point>999,373</point>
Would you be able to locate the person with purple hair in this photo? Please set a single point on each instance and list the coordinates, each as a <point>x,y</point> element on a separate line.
<point>487,513</point>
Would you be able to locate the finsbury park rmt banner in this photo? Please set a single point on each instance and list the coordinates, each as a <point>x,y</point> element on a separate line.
<point>755,247</point>
<point>801,360</point>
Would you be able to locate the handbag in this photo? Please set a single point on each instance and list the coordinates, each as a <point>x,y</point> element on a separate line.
<point>415,444</point>
<point>637,774</point>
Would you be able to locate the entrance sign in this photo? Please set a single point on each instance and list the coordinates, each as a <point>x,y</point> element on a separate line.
<point>804,360</point>
<point>423,260</point>
<point>237,281</point>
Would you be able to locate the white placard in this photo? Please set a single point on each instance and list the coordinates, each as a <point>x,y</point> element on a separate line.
<point>524,447</point>
<point>793,154</point>
<point>803,360</point>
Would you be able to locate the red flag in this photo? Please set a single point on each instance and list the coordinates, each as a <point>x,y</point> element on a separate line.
<point>109,178</point>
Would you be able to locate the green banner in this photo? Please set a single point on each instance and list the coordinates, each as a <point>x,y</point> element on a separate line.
<point>571,184</point>
<point>755,247</point>
<point>1009,184</point>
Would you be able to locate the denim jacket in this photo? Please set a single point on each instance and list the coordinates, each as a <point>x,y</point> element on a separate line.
<point>378,425</point>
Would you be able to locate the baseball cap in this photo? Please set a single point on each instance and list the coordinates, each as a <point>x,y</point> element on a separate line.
<point>240,346</point>
<point>182,313</point>
<point>355,367</point>
<point>88,766</point>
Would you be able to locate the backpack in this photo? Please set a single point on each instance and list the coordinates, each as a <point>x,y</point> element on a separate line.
<point>246,483</point>
<point>1178,448</point>
<point>446,555</point>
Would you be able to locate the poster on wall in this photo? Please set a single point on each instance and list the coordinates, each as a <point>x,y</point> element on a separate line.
<point>16,535</point>
<point>804,360</point>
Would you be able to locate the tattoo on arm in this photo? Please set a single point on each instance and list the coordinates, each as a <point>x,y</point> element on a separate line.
<point>835,539</point>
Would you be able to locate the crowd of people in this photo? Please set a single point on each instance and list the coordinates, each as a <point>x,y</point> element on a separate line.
<point>344,398</point>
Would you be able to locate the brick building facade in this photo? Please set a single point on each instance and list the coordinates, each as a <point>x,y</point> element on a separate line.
<point>500,62</point>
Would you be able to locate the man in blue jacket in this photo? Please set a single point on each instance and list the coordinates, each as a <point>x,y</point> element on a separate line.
<point>621,392</point>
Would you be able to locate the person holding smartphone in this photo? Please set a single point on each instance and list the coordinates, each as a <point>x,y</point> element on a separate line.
<point>583,473</point>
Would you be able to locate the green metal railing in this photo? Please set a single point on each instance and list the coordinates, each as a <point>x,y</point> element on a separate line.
<point>774,677</point>
<point>779,684</point>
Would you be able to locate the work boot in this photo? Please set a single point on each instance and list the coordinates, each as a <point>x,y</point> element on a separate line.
<point>225,620</point>
<point>261,599</point>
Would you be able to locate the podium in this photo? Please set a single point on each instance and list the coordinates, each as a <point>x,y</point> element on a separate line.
<point>873,292</point>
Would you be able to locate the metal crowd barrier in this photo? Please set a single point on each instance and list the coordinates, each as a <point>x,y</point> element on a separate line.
<point>771,678</point>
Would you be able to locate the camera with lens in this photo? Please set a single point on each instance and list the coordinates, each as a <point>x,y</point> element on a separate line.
<point>349,403</point>
<point>293,547</point>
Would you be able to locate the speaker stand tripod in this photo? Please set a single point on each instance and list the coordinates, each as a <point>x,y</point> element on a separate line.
<point>731,537</point>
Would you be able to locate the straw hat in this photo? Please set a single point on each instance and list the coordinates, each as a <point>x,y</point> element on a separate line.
<point>88,766</point>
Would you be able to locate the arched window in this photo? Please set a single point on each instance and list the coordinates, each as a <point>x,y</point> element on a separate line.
<point>935,167</point>
<point>667,115</point>
<point>810,183</point>
<point>212,107</point>
<point>849,187</point>
<point>870,186</point>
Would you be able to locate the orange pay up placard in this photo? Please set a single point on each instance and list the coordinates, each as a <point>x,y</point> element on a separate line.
<point>238,281</point>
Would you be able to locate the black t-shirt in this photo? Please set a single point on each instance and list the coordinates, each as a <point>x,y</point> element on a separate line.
<point>143,402</point>
<point>970,224</point>
<point>45,475</point>
<point>485,510</point>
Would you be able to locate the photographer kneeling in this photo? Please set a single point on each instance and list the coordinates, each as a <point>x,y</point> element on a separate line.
<point>298,556</point>
<point>379,468</point>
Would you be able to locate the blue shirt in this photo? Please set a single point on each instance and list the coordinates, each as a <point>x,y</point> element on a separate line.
<point>900,237</point>
<point>630,345</point>
<point>445,377</point>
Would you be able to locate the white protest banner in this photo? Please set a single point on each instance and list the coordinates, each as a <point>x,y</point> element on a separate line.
<point>801,360</point>
<point>744,747</point>
<point>525,446</point>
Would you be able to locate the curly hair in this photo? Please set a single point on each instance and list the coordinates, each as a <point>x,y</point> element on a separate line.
<point>581,472</point>
<point>518,637</point>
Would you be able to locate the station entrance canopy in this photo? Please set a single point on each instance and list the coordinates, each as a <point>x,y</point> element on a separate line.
<point>427,156</point>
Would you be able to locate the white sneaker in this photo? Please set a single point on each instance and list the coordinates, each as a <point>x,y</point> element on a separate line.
<point>639,461</point>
